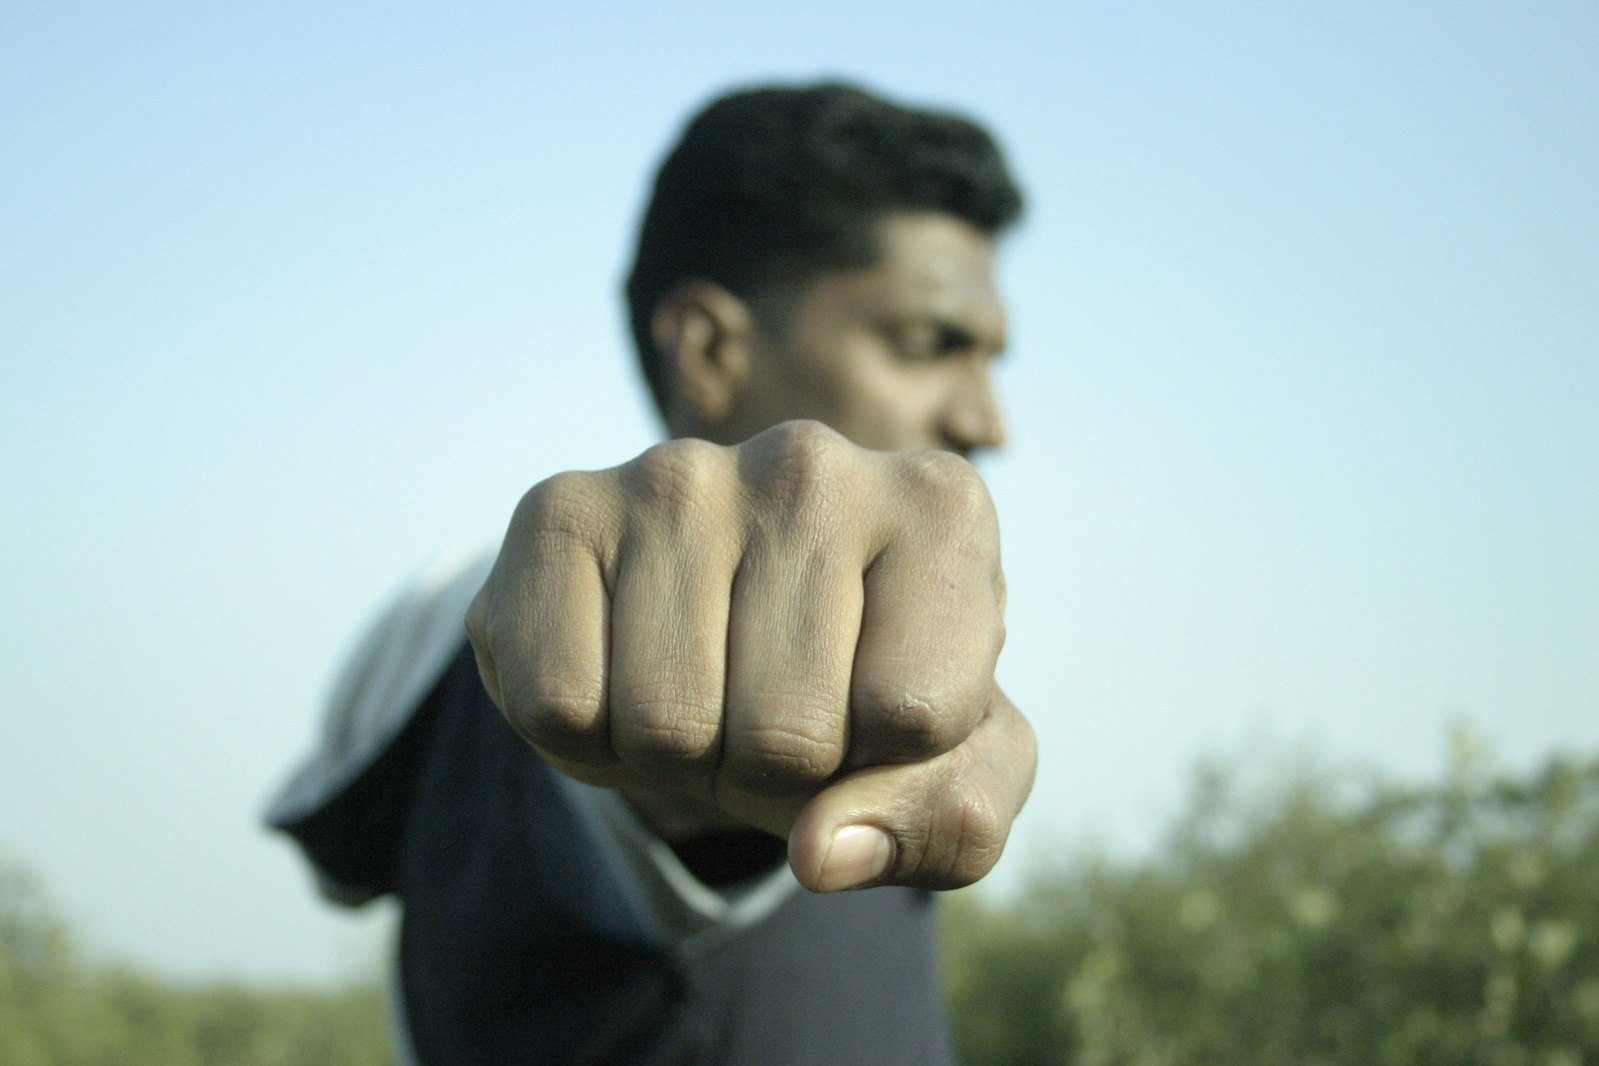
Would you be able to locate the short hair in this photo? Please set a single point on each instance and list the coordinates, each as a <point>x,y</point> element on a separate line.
<point>769,186</point>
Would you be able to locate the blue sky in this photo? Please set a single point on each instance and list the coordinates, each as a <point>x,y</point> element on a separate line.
<point>1302,392</point>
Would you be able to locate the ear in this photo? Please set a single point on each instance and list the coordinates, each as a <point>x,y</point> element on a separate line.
<point>702,332</point>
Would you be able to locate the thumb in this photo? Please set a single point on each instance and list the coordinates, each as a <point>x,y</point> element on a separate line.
<point>941,823</point>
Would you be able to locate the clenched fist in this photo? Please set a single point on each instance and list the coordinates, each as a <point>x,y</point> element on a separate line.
<point>794,632</point>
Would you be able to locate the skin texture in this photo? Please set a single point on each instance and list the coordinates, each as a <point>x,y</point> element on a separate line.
<point>795,628</point>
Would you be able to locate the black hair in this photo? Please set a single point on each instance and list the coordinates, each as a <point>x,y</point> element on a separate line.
<point>769,186</point>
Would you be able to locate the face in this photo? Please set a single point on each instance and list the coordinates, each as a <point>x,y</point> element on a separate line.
<point>894,356</point>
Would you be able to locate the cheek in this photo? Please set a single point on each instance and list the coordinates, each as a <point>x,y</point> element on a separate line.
<point>856,386</point>
<point>894,407</point>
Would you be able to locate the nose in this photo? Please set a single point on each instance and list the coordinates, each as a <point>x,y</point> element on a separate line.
<point>972,419</point>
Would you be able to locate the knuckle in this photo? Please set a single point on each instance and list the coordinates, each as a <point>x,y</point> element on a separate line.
<point>781,759</point>
<point>802,463</point>
<point>564,506</point>
<point>949,516</point>
<point>662,729</point>
<point>901,726</point>
<point>677,477</point>
<point>801,473</point>
<point>963,843</point>
<point>979,839</point>
<point>557,712</point>
<point>800,436</point>
<point>950,486</point>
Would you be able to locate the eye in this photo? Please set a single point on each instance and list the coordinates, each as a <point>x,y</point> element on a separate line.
<point>923,341</point>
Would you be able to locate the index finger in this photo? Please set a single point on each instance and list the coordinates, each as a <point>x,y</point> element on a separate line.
<point>932,623</point>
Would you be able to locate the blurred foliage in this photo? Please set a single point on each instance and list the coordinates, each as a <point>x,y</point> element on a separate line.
<point>1314,922</point>
<point>56,1009</point>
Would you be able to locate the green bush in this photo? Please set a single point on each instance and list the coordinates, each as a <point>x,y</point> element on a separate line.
<point>1317,922</point>
<point>1313,923</point>
<point>58,1010</point>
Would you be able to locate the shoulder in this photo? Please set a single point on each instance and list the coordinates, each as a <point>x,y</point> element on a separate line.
<point>385,679</point>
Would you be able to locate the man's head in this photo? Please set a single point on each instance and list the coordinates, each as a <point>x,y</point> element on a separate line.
<point>819,252</point>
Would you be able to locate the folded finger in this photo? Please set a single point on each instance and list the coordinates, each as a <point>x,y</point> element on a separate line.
<point>932,624</point>
<point>795,618</point>
<point>540,628</point>
<point>668,651</point>
<point>936,824</point>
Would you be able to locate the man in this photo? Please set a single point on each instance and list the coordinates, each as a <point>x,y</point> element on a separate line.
<point>766,639</point>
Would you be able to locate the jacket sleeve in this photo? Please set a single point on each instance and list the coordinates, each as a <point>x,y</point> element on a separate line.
<point>346,802</point>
